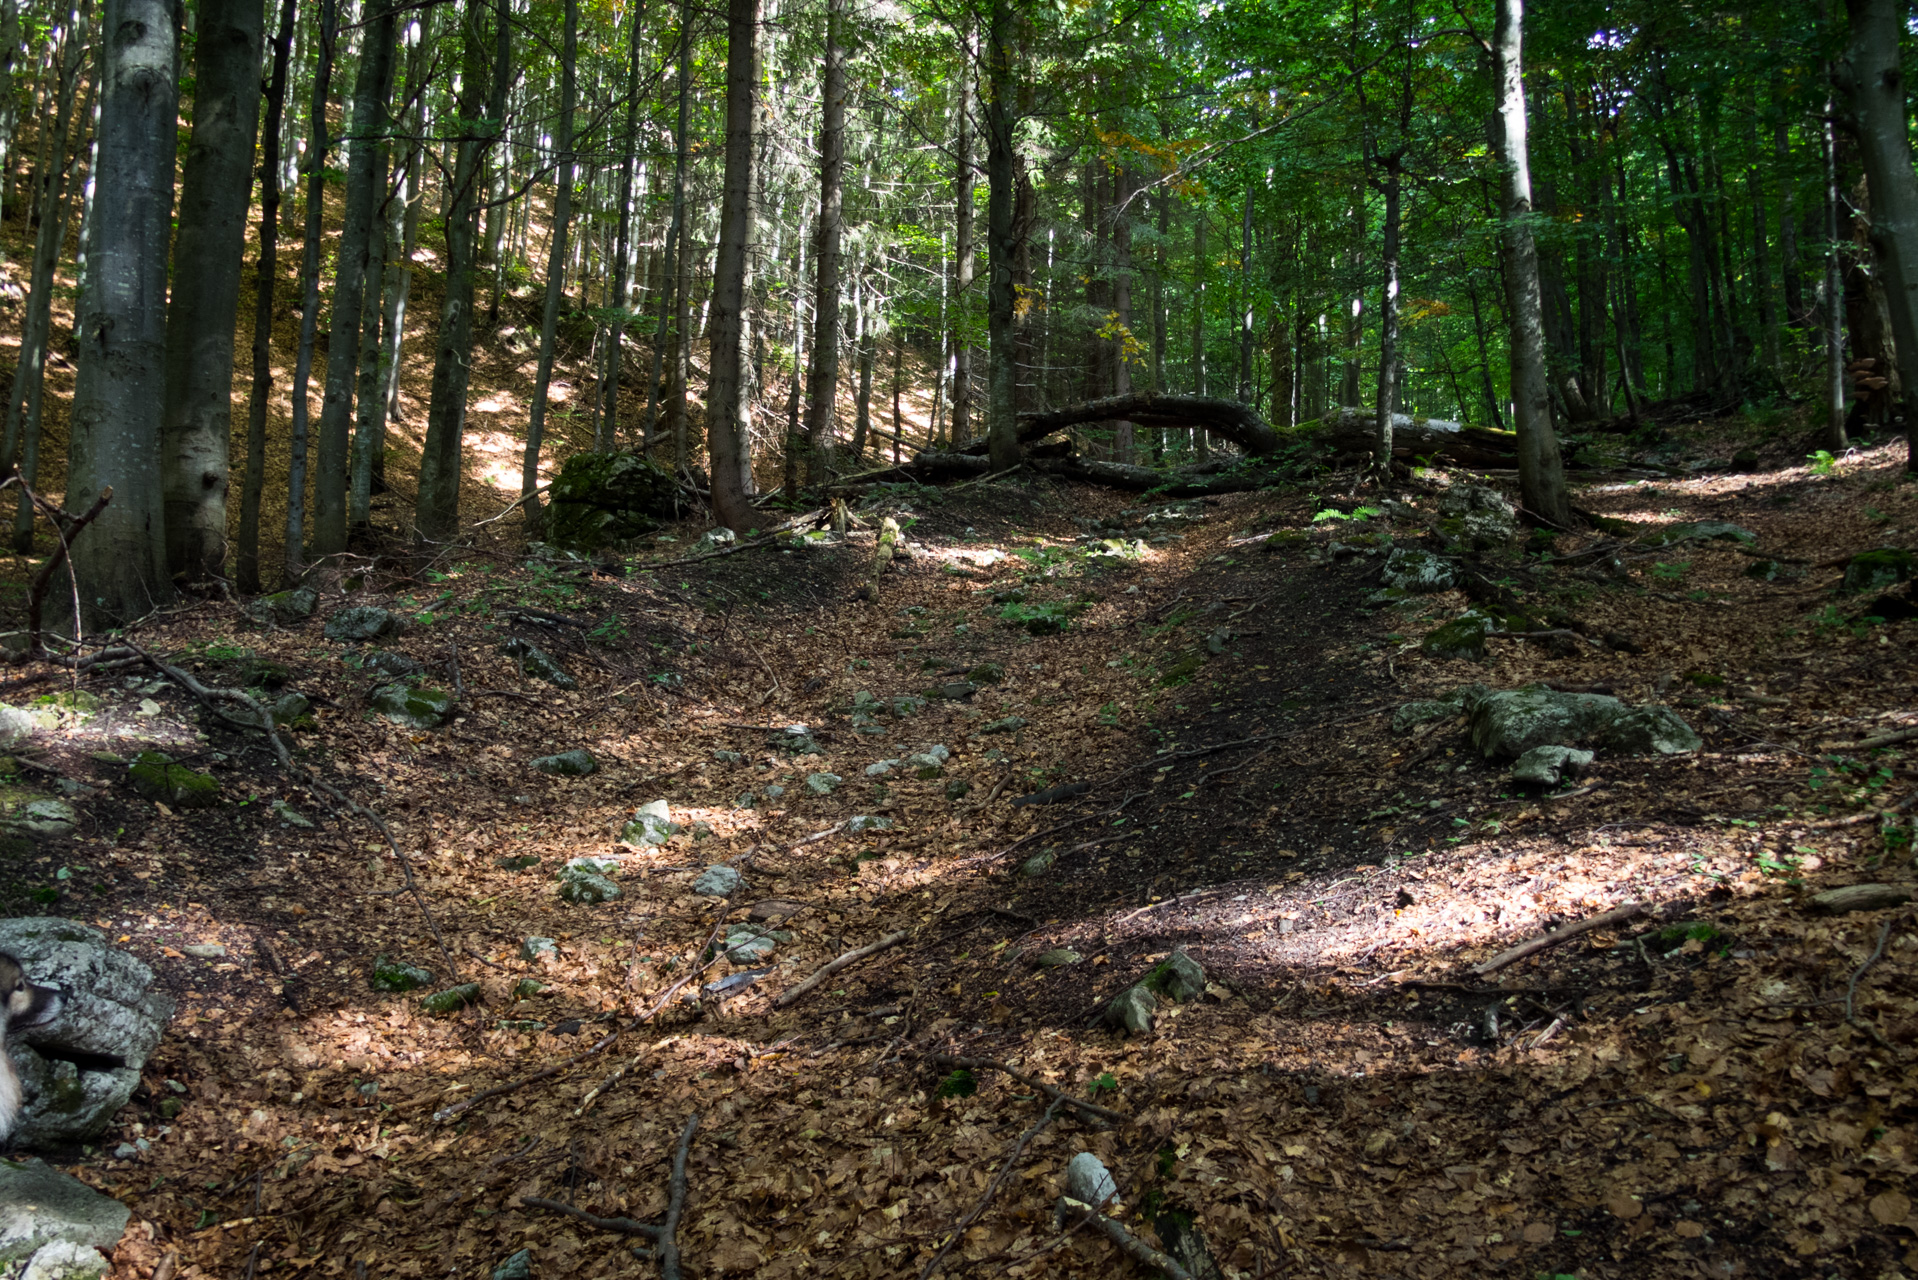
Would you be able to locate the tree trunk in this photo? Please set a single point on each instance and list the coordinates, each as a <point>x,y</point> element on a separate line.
<point>246,567</point>
<point>728,401</point>
<point>9,53</point>
<point>1834,294</point>
<point>1246,391</point>
<point>120,383</point>
<point>1388,323</point>
<point>1541,473</point>
<point>1355,314</point>
<point>1874,84</point>
<point>862,397</point>
<point>669,299</point>
<point>964,257</point>
<point>370,90</point>
<point>1002,241</point>
<point>51,194</point>
<point>822,389</point>
<point>898,387</point>
<point>555,271</point>
<point>482,96</point>
<point>403,228</point>
<point>295,557</point>
<point>1200,445</point>
<point>606,420</point>
<point>1123,343</point>
<point>216,188</point>
<point>676,416</point>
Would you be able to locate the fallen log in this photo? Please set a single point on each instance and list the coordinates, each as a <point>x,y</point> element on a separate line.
<point>1355,431</point>
<point>1230,419</point>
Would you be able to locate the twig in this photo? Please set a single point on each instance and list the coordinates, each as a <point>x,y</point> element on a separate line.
<point>990,475</point>
<point>1166,902</point>
<point>514,505</point>
<point>992,1189</point>
<point>1063,826</point>
<point>1851,991</point>
<point>1057,1095</point>
<point>1858,819</point>
<point>1549,940</point>
<point>834,966</point>
<point>668,1250</point>
<point>1551,634</point>
<point>623,1226</point>
<point>1133,1247</point>
<point>1229,770</point>
<point>453,663</point>
<point>1882,740</point>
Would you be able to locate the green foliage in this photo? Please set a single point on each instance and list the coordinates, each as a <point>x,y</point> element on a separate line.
<point>960,1084</point>
<point>1822,462</point>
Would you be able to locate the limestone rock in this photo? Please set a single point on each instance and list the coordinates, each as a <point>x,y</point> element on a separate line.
<point>16,726</point>
<point>745,943</point>
<point>1178,978</point>
<point>1413,569</point>
<point>45,818</point>
<point>289,708</point>
<point>284,608</point>
<point>822,784</point>
<point>1511,723</point>
<point>111,1019</point>
<point>582,882</point>
<point>1057,957</point>
<point>1476,517</point>
<point>392,662</point>
<point>1650,730</point>
<point>713,540</point>
<point>1008,724</point>
<point>862,822</point>
<point>577,763</point>
<point>537,663</point>
<point>880,768</point>
<point>290,816</point>
<point>1547,765</point>
<point>40,1206</point>
<point>66,1260</point>
<point>1877,570</point>
<point>419,709</point>
<point>1038,864</point>
<point>157,777</point>
<point>1700,531</point>
<point>1131,1010</point>
<point>1088,1181</point>
<point>793,740</point>
<point>397,975</point>
<point>516,1266</point>
<point>607,499</point>
<point>652,824</point>
<point>362,622</point>
<point>718,881</point>
<point>453,999</point>
<point>534,947</point>
<point>1462,637</point>
<point>1413,714</point>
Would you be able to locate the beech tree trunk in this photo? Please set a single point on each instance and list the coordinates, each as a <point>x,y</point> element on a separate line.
<point>1002,241</point>
<point>120,383</point>
<point>555,271</point>
<point>606,421</point>
<point>1874,84</point>
<point>728,402</point>
<point>1541,472</point>
<point>964,254</point>
<point>482,96</point>
<point>246,566</point>
<point>370,89</point>
<point>670,276</point>
<point>822,383</point>
<point>295,557</point>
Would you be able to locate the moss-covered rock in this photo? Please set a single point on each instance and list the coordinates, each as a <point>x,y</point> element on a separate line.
<point>1650,730</point>
<point>1700,531</point>
<point>577,763</point>
<point>1511,723</point>
<point>1413,569</point>
<point>397,975</point>
<point>362,622</point>
<point>291,709</point>
<point>155,776</point>
<point>1462,637</point>
<point>606,499</point>
<point>1876,570</point>
<point>453,999</point>
<point>413,708</point>
<point>537,663</point>
<point>284,608</point>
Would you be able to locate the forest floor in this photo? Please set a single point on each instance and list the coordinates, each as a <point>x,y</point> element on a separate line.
<point>1681,1095</point>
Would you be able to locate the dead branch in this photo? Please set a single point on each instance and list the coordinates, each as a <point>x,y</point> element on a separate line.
<point>992,1189</point>
<point>621,1226</point>
<point>1168,757</point>
<point>1882,740</point>
<point>1063,826</point>
<point>66,528</point>
<point>1547,941</point>
<point>831,967</point>
<point>1128,1244</point>
<point>668,1249</point>
<point>1058,1096</point>
<point>1851,991</point>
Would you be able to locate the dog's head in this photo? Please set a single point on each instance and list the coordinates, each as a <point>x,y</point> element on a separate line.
<point>23,1003</point>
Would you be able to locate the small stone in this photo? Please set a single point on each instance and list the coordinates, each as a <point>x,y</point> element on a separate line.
<point>169,1108</point>
<point>701,830</point>
<point>1877,570</point>
<point>16,726</point>
<point>393,663</point>
<point>1009,724</point>
<point>157,777</point>
<point>987,673</point>
<point>881,768</point>
<point>1088,1181</point>
<point>717,881</point>
<point>527,988</point>
<point>362,622</point>
<point>745,943</point>
<point>1178,978</point>
<point>290,816</point>
<point>1038,864</point>
<point>1546,765</point>
<point>419,709</point>
<point>1860,897</point>
<point>536,662</point>
<point>203,950</point>
<point>1650,730</point>
<point>577,763</point>
<point>1131,1010</point>
<point>1414,714</point>
<point>793,740</point>
<point>1462,637</point>
<point>652,825</point>
<point>774,791</point>
<point>867,822</point>
<point>1058,956</point>
<point>713,540</point>
<point>954,691</point>
<point>586,888</point>
<point>724,756</point>
<point>46,818</point>
<point>1413,569</point>
<point>453,999</point>
<point>518,1266</point>
<point>822,784</point>
<point>534,947</point>
<point>284,608</point>
<point>66,1260</point>
<point>289,708</point>
<point>957,789</point>
<point>397,975</point>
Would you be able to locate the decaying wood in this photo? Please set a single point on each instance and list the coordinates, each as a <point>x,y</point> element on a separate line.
<point>1240,423</point>
<point>1058,1096</point>
<point>1860,897</point>
<point>1356,431</point>
<point>831,967</point>
<point>1547,941</point>
<point>1127,1243</point>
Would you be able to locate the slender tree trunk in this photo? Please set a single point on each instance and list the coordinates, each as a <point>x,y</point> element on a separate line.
<point>315,163</point>
<point>363,182</point>
<point>898,389</point>
<point>1246,342</point>
<point>1388,323</point>
<point>964,253</point>
<point>51,194</point>
<point>728,402</point>
<point>1002,240</point>
<point>1355,313</point>
<point>863,318</point>
<point>1484,361</point>
<point>677,418</point>
<point>120,384</point>
<point>555,272</point>
<point>246,568</point>
<point>1541,473</point>
<point>606,422</point>
<point>1834,293</point>
<point>482,96</point>
<point>9,116</point>
<point>1872,80</point>
<point>1123,344</point>
<point>403,229</point>
<point>795,441</point>
<point>1787,225</point>
<point>215,190</point>
<point>1201,440</point>
<point>675,249</point>
<point>822,384</point>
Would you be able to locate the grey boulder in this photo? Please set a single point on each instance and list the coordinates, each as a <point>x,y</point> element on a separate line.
<point>1650,730</point>
<point>111,1019</point>
<point>536,662</point>
<point>42,1209</point>
<point>1547,765</point>
<point>716,881</point>
<point>362,622</point>
<point>577,763</point>
<point>283,608</point>
<point>1511,723</point>
<point>1413,569</point>
<point>1088,1181</point>
<point>413,708</point>
<point>652,824</point>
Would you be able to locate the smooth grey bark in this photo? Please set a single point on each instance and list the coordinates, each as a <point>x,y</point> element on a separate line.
<point>1834,316</point>
<point>1002,238</point>
<point>364,183</point>
<point>315,165</point>
<point>606,422</point>
<point>22,440</point>
<point>964,254</point>
<point>1245,301</point>
<point>864,316</point>
<point>728,404</point>
<point>1873,82</point>
<point>482,101</point>
<point>118,390</point>
<point>246,558</point>
<point>9,111</point>
<point>822,381</point>
<point>1541,472</point>
<point>555,271</point>
<point>369,404</point>
<point>1201,442</point>
<point>677,424</point>
<point>216,188</point>
<point>672,300</point>
<point>403,228</point>
<point>1388,324</point>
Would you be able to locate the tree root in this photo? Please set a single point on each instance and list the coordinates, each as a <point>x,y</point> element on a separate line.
<point>831,967</point>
